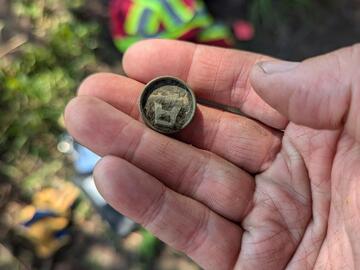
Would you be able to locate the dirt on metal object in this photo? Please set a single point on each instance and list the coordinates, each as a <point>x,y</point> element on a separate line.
<point>167,105</point>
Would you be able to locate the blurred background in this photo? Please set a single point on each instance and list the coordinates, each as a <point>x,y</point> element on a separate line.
<point>50,215</point>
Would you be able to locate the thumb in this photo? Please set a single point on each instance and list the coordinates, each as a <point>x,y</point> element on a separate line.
<point>322,92</point>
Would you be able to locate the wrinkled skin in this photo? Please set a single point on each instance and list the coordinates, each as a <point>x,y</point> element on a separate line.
<point>231,192</point>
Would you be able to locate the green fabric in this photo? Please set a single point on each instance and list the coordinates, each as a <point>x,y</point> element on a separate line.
<point>214,32</point>
<point>133,18</point>
<point>123,43</point>
<point>153,24</point>
<point>181,10</point>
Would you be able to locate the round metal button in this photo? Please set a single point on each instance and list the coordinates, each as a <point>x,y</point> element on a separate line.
<point>167,105</point>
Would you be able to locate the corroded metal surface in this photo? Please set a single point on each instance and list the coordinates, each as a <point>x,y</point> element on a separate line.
<point>167,105</point>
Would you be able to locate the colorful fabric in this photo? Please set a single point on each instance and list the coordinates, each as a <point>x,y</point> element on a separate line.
<point>45,222</point>
<point>134,20</point>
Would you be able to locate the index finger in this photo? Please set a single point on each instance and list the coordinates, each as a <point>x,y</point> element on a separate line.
<point>217,74</point>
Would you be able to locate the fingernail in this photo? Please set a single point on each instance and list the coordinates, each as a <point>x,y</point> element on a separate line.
<point>277,66</point>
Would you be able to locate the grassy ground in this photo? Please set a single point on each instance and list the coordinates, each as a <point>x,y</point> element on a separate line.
<point>46,48</point>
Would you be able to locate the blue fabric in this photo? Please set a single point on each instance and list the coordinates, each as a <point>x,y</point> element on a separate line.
<point>61,233</point>
<point>145,16</point>
<point>171,12</point>
<point>38,216</point>
<point>85,160</point>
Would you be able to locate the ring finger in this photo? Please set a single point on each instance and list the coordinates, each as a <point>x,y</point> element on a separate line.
<point>242,141</point>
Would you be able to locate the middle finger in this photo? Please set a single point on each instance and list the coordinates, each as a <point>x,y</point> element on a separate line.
<point>202,175</point>
<point>245,142</point>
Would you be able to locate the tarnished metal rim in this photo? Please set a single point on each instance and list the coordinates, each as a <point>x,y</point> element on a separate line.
<point>143,96</point>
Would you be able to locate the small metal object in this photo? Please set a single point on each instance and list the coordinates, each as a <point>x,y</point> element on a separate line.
<point>167,105</point>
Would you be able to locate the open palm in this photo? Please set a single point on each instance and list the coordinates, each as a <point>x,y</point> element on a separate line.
<point>229,191</point>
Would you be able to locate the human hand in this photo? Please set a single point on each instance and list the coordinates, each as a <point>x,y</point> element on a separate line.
<point>267,194</point>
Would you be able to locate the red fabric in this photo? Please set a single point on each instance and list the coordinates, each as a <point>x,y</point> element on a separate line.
<point>219,43</point>
<point>118,12</point>
<point>190,35</point>
<point>161,26</point>
<point>189,3</point>
<point>243,30</point>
